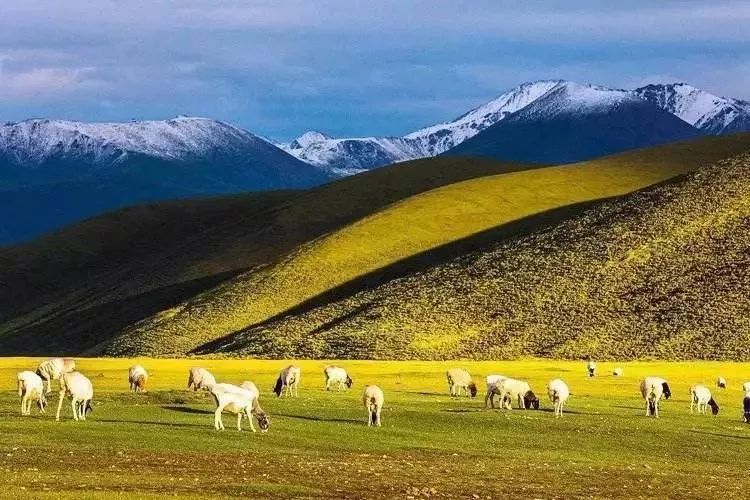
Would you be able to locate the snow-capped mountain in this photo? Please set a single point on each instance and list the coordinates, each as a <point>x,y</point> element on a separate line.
<point>62,171</point>
<point>573,122</point>
<point>710,113</point>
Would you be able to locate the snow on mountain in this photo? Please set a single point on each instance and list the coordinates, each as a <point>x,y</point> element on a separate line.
<point>710,113</point>
<point>34,141</point>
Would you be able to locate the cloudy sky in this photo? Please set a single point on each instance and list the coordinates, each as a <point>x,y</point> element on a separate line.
<point>280,67</point>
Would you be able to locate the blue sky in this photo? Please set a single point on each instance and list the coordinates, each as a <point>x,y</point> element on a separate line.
<point>347,68</point>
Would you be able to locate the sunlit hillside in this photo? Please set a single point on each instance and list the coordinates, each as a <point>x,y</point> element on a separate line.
<point>399,239</point>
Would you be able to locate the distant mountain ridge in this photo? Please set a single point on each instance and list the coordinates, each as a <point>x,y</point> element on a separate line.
<point>706,112</point>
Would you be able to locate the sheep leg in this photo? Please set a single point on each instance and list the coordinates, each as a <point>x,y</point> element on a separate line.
<point>239,421</point>
<point>377,416</point>
<point>218,424</point>
<point>59,405</point>
<point>75,410</point>
<point>23,405</point>
<point>250,419</point>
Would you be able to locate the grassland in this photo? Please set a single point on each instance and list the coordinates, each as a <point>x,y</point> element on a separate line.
<point>430,446</point>
<point>415,226</point>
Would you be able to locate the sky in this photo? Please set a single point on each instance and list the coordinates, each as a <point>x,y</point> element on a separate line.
<point>347,68</point>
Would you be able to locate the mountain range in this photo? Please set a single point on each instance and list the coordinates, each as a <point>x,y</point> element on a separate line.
<point>54,172</point>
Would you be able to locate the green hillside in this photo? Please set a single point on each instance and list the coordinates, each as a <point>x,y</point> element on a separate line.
<point>661,273</point>
<point>401,238</point>
<point>78,287</point>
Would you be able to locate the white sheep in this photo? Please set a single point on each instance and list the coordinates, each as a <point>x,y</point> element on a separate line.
<point>31,388</point>
<point>240,401</point>
<point>700,397</point>
<point>721,382</point>
<point>652,390</point>
<point>460,379</point>
<point>373,401</point>
<point>617,372</point>
<point>288,381</point>
<point>200,378</point>
<point>81,393</point>
<point>591,367</point>
<point>137,377</point>
<point>337,376</point>
<point>558,392</point>
<point>509,390</point>
<point>53,369</point>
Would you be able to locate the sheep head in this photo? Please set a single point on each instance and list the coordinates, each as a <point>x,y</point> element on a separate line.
<point>277,388</point>
<point>665,389</point>
<point>473,389</point>
<point>263,421</point>
<point>349,382</point>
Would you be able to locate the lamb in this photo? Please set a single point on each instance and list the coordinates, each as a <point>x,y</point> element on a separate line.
<point>336,376</point>
<point>81,393</point>
<point>137,376</point>
<point>511,389</point>
<point>200,378</point>
<point>701,397</point>
<point>617,372</point>
<point>240,401</point>
<point>459,379</point>
<point>53,369</point>
<point>288,381</point>
<point>652,390</point>
<point>591,367</point>
<point>558,393</point>
<point>31,388</point>
<point>721,383</point>
<point>373,401</point>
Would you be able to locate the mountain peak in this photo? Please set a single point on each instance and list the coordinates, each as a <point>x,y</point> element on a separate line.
<point>308,138</point>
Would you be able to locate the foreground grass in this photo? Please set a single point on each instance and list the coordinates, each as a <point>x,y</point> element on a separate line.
<point>162,442</point>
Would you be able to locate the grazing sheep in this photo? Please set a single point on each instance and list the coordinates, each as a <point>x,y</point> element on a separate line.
<point>288,381</point>
<point>31,388</point>
<point>591,367</point>
<point>459,379</point>
<point>746,408</point>
<point>137,376</point>
<point>373,401</point>
<point>81,393</point>
<point>240,401</point>
<point>53,369</point>
<point>652,390</point>
<point>721,383</point>
<point>558,393</point>
<point>200,378</point>
<point>701,397</point>
<point>336,376</point>
<point>617,372</point>
<point>511,389</point>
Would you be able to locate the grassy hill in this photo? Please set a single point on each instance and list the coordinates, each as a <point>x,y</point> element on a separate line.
<point>402,238</point>
<point>75,288</point>
<point>661,273</point>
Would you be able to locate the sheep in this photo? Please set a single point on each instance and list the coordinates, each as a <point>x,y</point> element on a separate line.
<point>288,381</point>
<point>240,401</point>
<point>746,387</point>
<point>721,382</point>
<point>200,378</point>
<point>53,369</point>
<point>511,389</point>
<point>31,388</point>
<point>81,393</point>
<point>137,376</point>
<point>617,372</point>
<point>591,367</point>
<point>373,401</point>
<point>558,393</point>
<point>459,379</point>
<point>701,397</point>
<point>652,390</point>
<point>337,376</point>
<point>746,408</point>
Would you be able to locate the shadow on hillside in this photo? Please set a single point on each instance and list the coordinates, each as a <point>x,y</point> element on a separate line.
<point>187,409</point>
<point>74,333</point>
<point>416,263</point>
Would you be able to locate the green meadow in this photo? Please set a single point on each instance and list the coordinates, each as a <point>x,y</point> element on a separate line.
<point>162,442</point>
